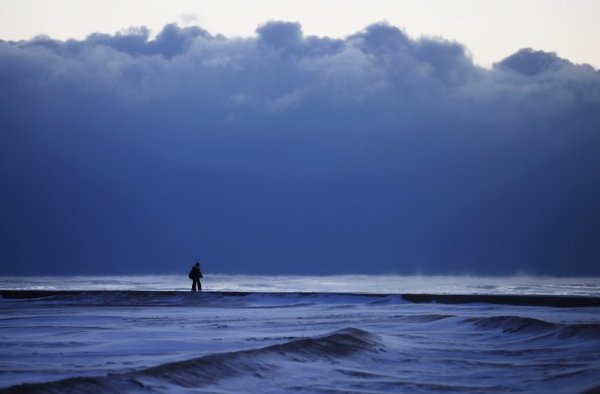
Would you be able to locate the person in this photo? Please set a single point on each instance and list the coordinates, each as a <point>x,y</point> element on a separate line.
<point>195,276</point>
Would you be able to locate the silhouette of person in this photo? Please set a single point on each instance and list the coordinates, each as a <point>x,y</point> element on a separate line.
<point>195,276</point>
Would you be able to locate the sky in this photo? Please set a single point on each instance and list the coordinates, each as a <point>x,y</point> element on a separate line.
<point>567,27</point>
<point>286,149</point>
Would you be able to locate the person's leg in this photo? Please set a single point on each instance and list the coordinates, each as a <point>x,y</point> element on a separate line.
<point>199,286</point>
<point>194,285</point>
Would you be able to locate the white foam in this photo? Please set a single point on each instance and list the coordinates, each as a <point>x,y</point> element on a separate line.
<point>386,284</point>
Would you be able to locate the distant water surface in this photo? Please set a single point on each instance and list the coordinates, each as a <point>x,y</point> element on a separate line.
<point>378,284</point>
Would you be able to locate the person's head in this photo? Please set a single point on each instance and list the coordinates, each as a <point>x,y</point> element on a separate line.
<point>197,264</point>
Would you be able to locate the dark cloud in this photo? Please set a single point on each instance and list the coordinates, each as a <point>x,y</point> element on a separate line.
<point>288,39</point>
<point>281,35</point>
<point>171,41</point>
<point>290,153</point>
<point>529,62</point>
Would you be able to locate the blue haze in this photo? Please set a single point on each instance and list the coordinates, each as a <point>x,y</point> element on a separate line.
<point>286,153</point>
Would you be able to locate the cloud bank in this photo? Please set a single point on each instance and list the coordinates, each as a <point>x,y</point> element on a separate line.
<point>286,153</point>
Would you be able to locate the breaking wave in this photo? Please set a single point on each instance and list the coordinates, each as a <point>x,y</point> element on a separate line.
<point>531,326</point>
<point>199,372</point>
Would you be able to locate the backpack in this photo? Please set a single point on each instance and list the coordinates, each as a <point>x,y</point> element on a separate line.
<point>190,274</point>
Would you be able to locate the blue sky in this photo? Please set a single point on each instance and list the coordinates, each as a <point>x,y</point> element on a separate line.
<point>286,152</point>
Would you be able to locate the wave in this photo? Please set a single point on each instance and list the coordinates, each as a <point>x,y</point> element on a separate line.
<point>266,299</point>
<point>527,325</point>
<point>202,371</point>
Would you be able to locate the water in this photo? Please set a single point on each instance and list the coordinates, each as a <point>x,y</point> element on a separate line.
<point>274,342</point>
<point>378,284</point>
